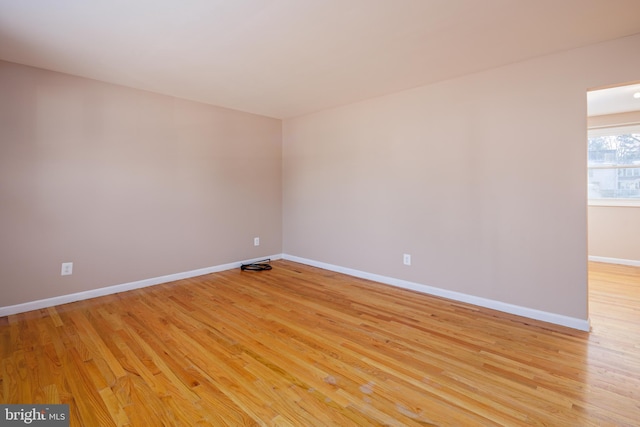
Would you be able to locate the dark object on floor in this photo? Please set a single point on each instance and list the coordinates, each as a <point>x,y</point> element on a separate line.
<point>257,266</point>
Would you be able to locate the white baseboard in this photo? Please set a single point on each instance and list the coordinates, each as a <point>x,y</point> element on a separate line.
<point>93,293</point>
<point>558,319</point>
<point>631,262</point>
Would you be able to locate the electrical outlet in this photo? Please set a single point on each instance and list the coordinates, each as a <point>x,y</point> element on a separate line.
<point>256,241</point>
<point>67,269</point>
<point>406,259</point>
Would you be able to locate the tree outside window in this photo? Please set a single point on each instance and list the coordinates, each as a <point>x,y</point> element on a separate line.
<point>614,163</point>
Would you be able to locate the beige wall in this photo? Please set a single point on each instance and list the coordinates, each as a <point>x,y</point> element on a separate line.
<point>481,179</point>
<point>614,231</point>
<point>126,184</point>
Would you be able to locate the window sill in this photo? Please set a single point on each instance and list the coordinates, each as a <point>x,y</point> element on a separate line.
<point>615,203</point>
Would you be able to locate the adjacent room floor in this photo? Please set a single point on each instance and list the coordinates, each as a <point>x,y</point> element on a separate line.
<point>303,346</point>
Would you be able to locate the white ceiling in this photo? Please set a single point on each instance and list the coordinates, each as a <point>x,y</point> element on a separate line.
<point>614,100</point>
<point>283,58</point>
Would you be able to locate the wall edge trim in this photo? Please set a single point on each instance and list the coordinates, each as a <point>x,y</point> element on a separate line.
<point>631,262</point>
<point>525,312</point>
<point>108,290</point>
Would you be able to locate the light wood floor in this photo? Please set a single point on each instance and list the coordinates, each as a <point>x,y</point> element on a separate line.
<point>306,347</point>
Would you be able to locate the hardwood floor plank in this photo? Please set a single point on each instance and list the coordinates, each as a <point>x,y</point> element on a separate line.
<point>91,409</point>
<point>298,345</point>
<point>118,414</point>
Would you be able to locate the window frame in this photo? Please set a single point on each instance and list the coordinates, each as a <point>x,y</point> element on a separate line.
<point>612,131</point>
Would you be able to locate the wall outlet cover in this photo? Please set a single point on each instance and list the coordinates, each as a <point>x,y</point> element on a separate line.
<point>67,269</point>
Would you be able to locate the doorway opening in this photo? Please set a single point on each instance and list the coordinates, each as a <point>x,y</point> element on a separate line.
<point>613,164</point>
<point>613,216</point>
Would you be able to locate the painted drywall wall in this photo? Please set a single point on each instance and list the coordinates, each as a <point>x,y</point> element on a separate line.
<point>481,179</point>
<point>126,184</point>
<point>614,231</point>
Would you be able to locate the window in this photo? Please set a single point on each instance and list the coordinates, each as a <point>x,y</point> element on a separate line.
<point>614,164</point>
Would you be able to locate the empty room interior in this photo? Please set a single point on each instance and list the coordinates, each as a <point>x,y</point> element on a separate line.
<point>438,202</point>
